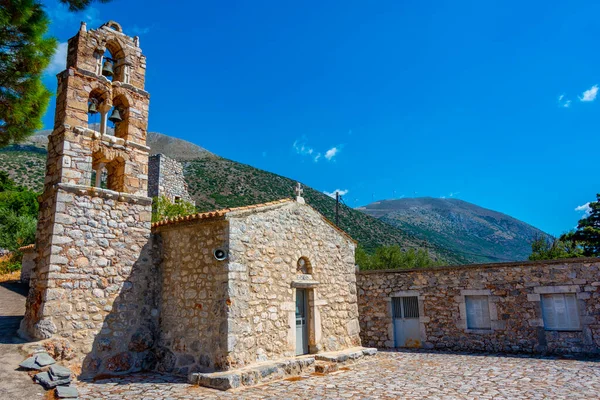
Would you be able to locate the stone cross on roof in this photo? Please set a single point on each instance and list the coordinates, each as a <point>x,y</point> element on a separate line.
<point>299,192</point>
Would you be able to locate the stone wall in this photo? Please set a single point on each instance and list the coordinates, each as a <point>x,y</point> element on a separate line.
<point>265,246</point>
<point>94,281</point>
<point>193,308</point>
<point>220,315</point>
<point>165,178</point>
<point>27,262</point>
<point>513,290</point>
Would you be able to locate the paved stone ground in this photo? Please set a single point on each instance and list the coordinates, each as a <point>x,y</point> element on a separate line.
<point>14,384</point>
<point>402,375</point>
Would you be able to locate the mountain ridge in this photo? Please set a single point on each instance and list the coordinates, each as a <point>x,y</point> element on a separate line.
<point>475,232</point>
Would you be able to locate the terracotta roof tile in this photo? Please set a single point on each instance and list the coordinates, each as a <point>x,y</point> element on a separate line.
<point>225,211</point>
<point>28,247</point>
<point>216,214</point>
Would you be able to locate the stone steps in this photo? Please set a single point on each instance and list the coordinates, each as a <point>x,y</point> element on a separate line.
<point>253,375</point>
<point>323,363</point>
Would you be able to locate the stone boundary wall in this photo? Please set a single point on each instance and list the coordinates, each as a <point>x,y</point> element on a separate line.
<point>27,263</point>
<point>165,177</point>
<point>514,291</point>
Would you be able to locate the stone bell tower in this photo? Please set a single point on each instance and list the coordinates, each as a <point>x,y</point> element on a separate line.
<point>90,283</point>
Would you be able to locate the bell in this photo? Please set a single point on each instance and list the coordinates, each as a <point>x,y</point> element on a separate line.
<point>115,116</point>
<point>92,108</point>
<point>107,69</point>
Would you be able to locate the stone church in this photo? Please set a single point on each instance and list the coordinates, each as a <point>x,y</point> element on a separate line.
<point>208,292</point>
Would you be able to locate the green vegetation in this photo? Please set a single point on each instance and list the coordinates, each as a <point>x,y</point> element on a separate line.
<point>393,257</point>
<point>25,52</point>
<point>25,165</point>
<point>80,5</point>
<point>18,212</point>
<point>162,208</point>
<point>548,248</point>
<point>583,242</point>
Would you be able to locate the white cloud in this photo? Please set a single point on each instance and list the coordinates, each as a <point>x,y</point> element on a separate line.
<point>341,193</point>
<point>59,60</point>
<point>590,94</point>
<point>331,153</point>
<point>452,194</point>
<point>60,14</point>
<point>585,208</point>
<point>136,30</point>
<point>317,157</point>
<point>302,149</point>
<point>563,101</point>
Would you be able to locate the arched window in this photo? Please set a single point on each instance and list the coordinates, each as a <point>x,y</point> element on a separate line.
<point>95,101</point>
<point>303,266</point>
<point>108,174</point>
<point>119,116</point>
<point>114,65</point>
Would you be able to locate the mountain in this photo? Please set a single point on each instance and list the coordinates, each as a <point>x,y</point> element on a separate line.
<point>470,231</point>
<point>215,182</point>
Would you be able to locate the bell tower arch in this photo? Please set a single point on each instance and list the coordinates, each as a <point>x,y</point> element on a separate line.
<point>95,213</point>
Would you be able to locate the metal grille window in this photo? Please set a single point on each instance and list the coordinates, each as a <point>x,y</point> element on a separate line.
<point>560,312</point>
<point>478,312</point>
<point>405,307</point>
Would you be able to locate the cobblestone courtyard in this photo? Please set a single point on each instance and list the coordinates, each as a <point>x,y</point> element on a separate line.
<point>392,376</point>
<point>403,375</point>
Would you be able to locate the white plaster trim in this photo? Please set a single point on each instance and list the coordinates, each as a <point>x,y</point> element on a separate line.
<point>557,289</point>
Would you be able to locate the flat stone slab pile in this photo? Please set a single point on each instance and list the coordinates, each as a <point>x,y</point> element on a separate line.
<point>51,375</point>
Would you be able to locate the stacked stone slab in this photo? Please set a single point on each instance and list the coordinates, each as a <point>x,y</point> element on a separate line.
<point>92,281</point>
<point>514,291</point>
<point>166,179</point>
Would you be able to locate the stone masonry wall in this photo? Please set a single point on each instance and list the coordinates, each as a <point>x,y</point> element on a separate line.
<point>514,291</point>
<point>165,178</point>
<point>193,308</point>
<point>27,263</point>
<point>265,246</point>
<point>94,281</point>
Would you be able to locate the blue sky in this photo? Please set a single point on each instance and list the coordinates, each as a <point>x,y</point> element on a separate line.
<point>492,102</point>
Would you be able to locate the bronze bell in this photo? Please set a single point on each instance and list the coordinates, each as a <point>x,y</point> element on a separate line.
<point>92,108</point>
<point>107,68</point>
<point>115,116</point>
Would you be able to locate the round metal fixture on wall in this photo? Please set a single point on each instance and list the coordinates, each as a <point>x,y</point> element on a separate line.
<point>220,254</point>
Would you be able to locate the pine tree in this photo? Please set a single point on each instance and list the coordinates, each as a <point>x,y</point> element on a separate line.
<point>79,5</point>
<point>25,53</point>
<point>588,231</point>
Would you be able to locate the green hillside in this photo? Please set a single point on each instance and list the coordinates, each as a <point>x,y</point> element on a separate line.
<point>215,183</point>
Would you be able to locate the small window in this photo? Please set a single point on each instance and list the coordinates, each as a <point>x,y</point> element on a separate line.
<point>560,312</point>
<point>303,266</point>
<point>478,312</point>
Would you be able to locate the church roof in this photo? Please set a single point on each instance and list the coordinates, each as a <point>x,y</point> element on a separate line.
<point>225,211</point>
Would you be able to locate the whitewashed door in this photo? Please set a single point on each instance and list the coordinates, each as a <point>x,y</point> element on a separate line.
<point>405,311</point>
